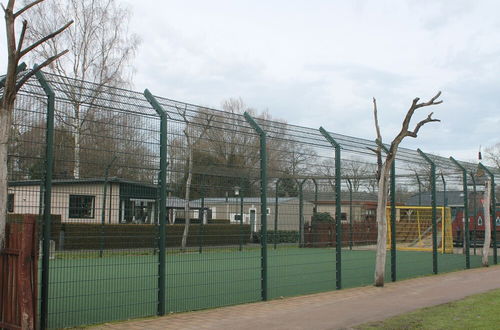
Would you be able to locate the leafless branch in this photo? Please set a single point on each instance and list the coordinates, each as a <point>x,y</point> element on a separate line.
<point>44,39</point>
<point>375,115</point>
<point>21,38</point>
<point>377,151</point>
<point>28,6</point>
<point>30,74</point>
<point>422,123</point>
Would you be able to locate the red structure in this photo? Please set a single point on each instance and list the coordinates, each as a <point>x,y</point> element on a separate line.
<point>18,274</point>
<point>476,228</point>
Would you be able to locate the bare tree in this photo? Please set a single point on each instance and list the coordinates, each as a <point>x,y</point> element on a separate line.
<point>384,167</point>
<point>101,50</point>
<point>492,154</point>
<point>193,133</point>
<point>358,171</point>
<point>487,222</point>
<point>12,83</point>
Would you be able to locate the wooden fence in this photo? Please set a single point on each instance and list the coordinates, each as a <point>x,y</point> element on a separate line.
<point>18,274</point>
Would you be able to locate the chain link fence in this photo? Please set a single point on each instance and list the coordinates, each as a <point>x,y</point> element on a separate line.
<point>152,206</point>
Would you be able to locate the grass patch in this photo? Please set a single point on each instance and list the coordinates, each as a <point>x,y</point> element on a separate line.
<point>474,312</point>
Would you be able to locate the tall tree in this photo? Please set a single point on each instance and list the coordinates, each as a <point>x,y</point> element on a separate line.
<point>384,166</point>
<point>194,131</point>
<point>493,155</point>
<point>487,222</point>
<point>12,83</point>
<point>101,49</point>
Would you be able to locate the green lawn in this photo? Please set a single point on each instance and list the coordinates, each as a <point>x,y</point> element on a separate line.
<point>120,286</point>
<point>475,312</point>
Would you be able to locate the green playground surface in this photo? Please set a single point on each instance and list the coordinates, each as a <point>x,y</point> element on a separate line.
<point>89,290</point>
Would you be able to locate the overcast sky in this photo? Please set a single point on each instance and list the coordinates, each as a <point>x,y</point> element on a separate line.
<point>318,63</point>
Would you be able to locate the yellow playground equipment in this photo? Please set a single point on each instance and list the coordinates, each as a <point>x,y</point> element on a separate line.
<point>414,228</point>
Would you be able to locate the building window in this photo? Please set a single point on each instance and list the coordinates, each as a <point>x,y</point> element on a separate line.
<point>81,206</point>
<point>10,203</point>
<point>268,211</point>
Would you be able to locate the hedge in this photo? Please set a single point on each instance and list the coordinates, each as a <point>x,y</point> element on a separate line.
<point>282,236</point>
<point>75,236</point>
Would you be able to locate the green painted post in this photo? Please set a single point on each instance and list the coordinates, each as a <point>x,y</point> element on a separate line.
<point>47,206</point>
<point>493,209</point>
<point>241,218</point>
<point>163,201</point>
<point>276,213</point>
<point>103,210</point>
<point>393,216</point>
<point>474,206</point>
<point>466,212</point>
<point>349,185</point>
<point>21,67</point>
<point>338,210</point>
<point>419,190</point>
<point>263,202</point>
<point>301,213</point>
<point>434,214</point>
<point>201,227</point>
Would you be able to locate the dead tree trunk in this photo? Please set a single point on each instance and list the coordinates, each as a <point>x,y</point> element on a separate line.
<point>5,123</point>
<point>12,83</point>
<point>187,216</point>
<point>487,223</point>
<point>383,186</point>
<point>383,176</point>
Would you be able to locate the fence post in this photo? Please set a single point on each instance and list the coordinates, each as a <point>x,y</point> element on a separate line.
<point>474,215</point>
<point>163,200</point>
<point>493,209</point>
<point>301,213</point>
<point>433,204</point>
<point>263,202</point>
<point>276,210</point>
<point>466,212</point>
<point>241,217</point>
<point>338,210</point>
<point>201,232</point>
<point>349,185</point>
<point>49,164</point>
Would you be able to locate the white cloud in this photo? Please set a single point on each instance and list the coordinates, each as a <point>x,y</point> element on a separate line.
<point>320,62</point>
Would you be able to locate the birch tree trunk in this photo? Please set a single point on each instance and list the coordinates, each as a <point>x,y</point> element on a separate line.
<point>186,207</point>
<point>383,186</point>
<point>487,223</point>
<point>5,123</point>
<point>76,168</point>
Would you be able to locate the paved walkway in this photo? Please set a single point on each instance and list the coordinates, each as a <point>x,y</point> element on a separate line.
<point>331,310</point>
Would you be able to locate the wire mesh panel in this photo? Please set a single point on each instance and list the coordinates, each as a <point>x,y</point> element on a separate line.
<point>213,209</point>
<point>255,208</point>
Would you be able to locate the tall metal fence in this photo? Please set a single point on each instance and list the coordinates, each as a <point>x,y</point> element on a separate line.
<point>152,206</point>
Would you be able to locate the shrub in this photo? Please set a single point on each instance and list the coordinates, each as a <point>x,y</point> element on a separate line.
<point>322,217</point>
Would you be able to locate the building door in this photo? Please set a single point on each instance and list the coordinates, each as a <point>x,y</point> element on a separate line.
<point>253,218</point>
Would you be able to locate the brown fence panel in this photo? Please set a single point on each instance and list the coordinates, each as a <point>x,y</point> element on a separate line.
<point>18,278</point>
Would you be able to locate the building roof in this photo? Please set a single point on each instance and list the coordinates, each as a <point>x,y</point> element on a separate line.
<point>454,198</point>
<point>81,181</point>
<point>247,200</point>
<point>357,196</point>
